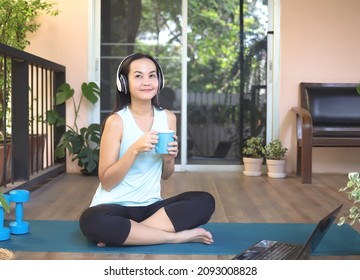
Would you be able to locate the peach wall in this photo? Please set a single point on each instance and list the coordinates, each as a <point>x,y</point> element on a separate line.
<point>64,40</point>
<point>319,42</point>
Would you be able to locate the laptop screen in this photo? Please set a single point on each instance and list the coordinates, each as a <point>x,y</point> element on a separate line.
<point>318,233</point>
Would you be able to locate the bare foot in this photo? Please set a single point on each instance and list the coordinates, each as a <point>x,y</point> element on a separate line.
<point>199,235</point>
<point>101,244</point>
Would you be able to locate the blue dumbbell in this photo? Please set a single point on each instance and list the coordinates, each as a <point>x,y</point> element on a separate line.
<point>4,231</point>
<point>19,197</point>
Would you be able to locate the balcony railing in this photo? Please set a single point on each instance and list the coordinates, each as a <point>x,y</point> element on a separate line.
<point>27,90</point>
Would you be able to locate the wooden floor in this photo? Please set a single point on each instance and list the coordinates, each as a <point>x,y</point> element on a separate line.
<point>238,199</point>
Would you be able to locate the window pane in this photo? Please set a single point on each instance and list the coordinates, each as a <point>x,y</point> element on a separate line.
<point>226,78</point>
<point>152,27</point>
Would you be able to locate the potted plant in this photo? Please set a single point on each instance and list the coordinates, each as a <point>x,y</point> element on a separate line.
<point>82,144</point>
<point>353,190</point>
<point>253,156</point>
<point>274,153</point>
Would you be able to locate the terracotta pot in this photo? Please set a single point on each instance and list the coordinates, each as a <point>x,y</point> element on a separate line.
<point>36,150</point>
<point>5,156</point>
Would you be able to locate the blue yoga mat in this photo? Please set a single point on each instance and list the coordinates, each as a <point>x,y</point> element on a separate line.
<point>229,239</point>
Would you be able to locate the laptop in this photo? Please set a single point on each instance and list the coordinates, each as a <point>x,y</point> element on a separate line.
<point>276,250</point>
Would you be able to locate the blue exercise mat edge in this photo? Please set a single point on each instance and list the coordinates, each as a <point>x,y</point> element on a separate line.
<point>229,239</point>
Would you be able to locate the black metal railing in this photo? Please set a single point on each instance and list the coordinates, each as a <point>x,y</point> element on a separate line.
<point>27,90</point>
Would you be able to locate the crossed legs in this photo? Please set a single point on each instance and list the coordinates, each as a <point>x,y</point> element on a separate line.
<point>158,229</point>
<point>174,220</point>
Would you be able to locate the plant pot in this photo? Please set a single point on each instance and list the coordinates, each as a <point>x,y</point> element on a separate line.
<point>36,150</point>
<point>5,154</point>
<point>276,168</point>
<point>252,166</point>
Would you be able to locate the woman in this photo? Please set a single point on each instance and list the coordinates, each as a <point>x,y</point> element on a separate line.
<point>127,208</point>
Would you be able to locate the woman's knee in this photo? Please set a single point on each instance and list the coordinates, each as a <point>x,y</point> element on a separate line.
<point>190,209</point>
<point>101,225</point>
<point>89,221</point>
<point>209,202</point>
<point>205,204</point>
<point>206,201</point>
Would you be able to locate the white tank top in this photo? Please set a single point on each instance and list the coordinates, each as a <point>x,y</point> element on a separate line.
<point>141,185</point>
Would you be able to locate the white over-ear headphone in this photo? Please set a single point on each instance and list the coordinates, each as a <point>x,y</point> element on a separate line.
<point>122,82</point>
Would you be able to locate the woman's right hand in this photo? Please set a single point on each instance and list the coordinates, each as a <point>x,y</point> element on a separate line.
<point>146,142</point>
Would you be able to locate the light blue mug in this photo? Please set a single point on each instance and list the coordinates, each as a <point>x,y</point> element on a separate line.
<point>165,137</point>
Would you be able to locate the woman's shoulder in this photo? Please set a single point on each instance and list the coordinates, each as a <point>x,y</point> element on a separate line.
<point>170,114</point>
<point>122,111</point>
<point>171,119</point>
<point>114,120</point>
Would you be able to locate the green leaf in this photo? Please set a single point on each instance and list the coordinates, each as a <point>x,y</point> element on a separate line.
<point>53,118</point>
<point>341,221</point>
<point>91,91</point>
<point>64,93</point>
<point>59,152</point>
<point>77,142</point>
<point>353,176</point>
<point>69,141</point>
<point>88,158</point>
<point>4,203</point>
<point>91,133</point>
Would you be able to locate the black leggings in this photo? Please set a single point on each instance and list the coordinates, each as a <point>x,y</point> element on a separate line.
<point>110,223</point>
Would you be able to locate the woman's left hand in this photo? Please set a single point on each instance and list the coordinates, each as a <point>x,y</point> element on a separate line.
<point>173,150</point>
